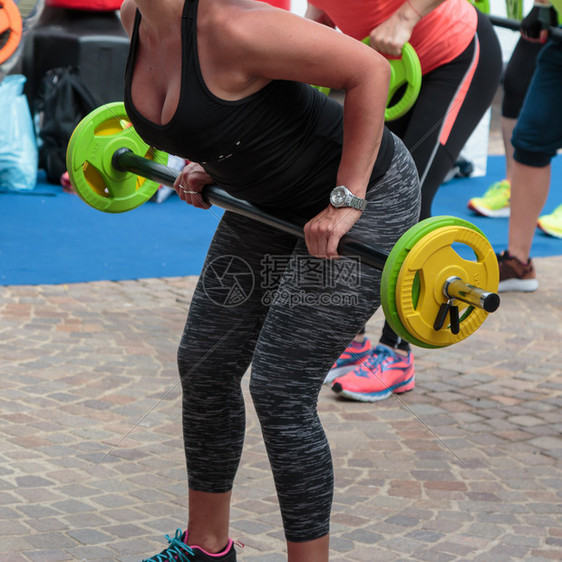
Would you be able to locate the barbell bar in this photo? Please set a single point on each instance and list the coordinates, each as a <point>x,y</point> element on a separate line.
<point>514,25</point>
<point>424,279</point>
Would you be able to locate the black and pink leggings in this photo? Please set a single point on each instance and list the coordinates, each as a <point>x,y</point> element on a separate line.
<point>452,100</point>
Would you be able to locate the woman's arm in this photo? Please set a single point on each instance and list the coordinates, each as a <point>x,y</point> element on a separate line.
<point>255,46</point>
<point>389,37</point>
<point>279,45</point>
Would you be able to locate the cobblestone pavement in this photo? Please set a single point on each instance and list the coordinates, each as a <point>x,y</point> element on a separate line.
<point>468,466</point>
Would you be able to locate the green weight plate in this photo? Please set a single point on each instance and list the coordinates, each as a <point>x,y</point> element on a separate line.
<point>484,5</point>
<point>404,71</point>
<point>393,266</point>
<point>324,89</point>
<point>89,161</point>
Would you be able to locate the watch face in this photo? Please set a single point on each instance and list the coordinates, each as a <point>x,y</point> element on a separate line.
<point>337,196</point>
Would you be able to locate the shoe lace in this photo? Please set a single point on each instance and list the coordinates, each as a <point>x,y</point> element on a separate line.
<point>380,354</point>
<point>178,551</point>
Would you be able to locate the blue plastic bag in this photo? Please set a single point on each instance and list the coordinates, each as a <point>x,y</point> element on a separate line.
<point>18,145</point>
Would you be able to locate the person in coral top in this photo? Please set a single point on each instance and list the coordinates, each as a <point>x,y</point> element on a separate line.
<point>461,66</point>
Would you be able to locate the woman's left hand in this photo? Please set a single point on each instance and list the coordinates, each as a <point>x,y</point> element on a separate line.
<point>188,185</point>
<point>324,232</point>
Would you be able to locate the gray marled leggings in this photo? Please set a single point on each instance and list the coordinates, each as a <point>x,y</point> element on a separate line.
<point>262,299</point>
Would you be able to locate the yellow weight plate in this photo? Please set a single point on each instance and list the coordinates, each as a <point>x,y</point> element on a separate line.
<point>428,265</point>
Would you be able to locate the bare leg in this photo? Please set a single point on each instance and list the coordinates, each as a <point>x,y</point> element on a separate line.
<point>529,191</point>
<point>209,516</point>
<point>507,125</point>
<point>310,551</point>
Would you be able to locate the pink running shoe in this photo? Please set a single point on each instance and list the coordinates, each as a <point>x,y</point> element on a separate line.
<point>382,374</point>
<point>351,358</point>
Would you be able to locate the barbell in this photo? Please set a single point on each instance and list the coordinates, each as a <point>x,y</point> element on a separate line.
<point>10,29</point>
<point>507,23</point>
<point>431,295</point>
<point>405,73</point>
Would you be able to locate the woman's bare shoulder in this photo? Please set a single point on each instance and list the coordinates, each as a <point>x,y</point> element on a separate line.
<point>128,10</point>
<point>242,23</point>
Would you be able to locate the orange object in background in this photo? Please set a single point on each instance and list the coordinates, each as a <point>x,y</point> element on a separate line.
<point>98,5</point>
<point>11,28</point>
<point>91,5</point>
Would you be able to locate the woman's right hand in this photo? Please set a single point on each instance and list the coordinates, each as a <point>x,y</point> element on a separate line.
<point>189,184</point>
<point>389,37</point>
<point>535,26</point>
<point>323,232</point>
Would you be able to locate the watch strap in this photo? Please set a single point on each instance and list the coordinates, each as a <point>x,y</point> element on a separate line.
<point>357,203</point>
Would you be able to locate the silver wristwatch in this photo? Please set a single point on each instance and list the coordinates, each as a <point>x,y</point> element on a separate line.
<point>342,197</point>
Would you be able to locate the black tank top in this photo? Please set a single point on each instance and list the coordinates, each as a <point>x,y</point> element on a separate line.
<point>279,147</point>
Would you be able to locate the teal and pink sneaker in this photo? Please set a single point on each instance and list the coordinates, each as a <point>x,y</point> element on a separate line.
<point>179,551</point>
<point>352,357</point>
<point>386,372</point>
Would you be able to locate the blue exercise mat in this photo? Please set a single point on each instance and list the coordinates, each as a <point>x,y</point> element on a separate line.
<point>51,237</point>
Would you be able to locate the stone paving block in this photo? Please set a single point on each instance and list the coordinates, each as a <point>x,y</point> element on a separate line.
<point>12,528</point>
<point>51,540</point>
<point>518,540</point>
<point>431,556</point>
<point>124,531</point>
<point>257,558</point>
<point>425,536</point>
<point>544,555</point>
<point>136,549</point>
<point>91,553</point>
<point>165,525</point>
<point>48,556</point>
<point>90,537</point>
<point>503,553</point>
<point>45,524</point>
<point>548,443</point>
<point>14,557</point>
<point>554,541</point>
<point>443,525</point>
